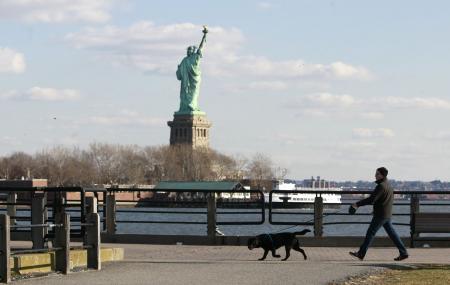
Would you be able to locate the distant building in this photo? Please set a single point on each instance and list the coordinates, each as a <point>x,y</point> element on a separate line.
<point>23,183</point>
<point>316,183</point>
<point>264,185</point>
<point>202,187</point>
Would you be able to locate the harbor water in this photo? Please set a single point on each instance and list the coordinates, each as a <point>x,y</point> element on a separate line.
<point>292,215</point>
<point>266,227</point>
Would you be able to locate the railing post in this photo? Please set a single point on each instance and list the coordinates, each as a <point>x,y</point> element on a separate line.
<point>318,215</point>
<point>93,240</point>
<point>5,268</point>
<point>111,214</point>
<point>11,209</point>
<point>58,204</point>
<point>83,211</point>
<point>91,205</point>
<point>38,217</point>
<point>414,208</point>
<point>62,240</point>
<point>104,210</point>
<point>58,211</point>
<point>212,216</point>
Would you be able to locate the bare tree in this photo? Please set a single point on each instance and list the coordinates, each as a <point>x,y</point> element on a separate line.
<point>103,163</point>
<point>105,160</point>
<point>223,166</point>
<point>131,165</point>
<point>4,168</point>
<point>16,166</point>
<point>64,166</point>
<point>183,163</point>
<point>154,163</point>
<point>280,172</point>
<point>260,169</point>
<point>240,166</point>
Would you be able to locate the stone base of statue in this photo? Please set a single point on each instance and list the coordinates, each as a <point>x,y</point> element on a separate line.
<point>189,129</point>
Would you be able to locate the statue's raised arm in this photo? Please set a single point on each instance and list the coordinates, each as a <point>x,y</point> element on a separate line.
<point>205,31</point>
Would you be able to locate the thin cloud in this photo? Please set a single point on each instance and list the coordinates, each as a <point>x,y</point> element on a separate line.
<point>157,48</point>
<point>372,115</point>
<point>344,105</point>
<point>268,85</point>
<point>11,61</point>
<point>42,94</point>
<point>152,48</point>
<point>56,11</point>
<point>440,136</point>
<point>342,70</point>
<point>126,118</point>
<point>329,100</point>
<point>265,5</point>
<point>373,133</point>
<point>324,105</point>
<point>431,103</point>
<point>8,140</point>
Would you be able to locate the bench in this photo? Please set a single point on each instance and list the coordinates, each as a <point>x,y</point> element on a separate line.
<point>429,223</point>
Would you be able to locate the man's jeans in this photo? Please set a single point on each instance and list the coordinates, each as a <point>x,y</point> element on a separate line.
<point>375,225</point>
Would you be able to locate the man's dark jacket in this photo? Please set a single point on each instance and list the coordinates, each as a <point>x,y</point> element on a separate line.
<point>382,199</point>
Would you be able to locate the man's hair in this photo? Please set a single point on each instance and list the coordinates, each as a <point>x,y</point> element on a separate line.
<point>383,171</point>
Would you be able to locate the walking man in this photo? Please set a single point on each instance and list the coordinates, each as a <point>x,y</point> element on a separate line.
<point>382,199</point>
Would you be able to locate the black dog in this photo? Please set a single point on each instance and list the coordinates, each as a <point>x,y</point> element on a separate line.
<point>274,241</point>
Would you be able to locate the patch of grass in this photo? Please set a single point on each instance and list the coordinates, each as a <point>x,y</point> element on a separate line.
<point>423,275</point>
<point>415,275</point>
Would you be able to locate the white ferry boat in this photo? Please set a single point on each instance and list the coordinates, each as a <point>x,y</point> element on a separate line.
<point>277,198</point>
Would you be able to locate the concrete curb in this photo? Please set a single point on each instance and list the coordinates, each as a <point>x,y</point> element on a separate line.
<point>45,262</point>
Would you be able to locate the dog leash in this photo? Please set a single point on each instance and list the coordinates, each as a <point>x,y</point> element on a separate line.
<point>323,215</point>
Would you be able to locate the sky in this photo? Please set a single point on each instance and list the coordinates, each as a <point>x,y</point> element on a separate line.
<point>330,88</point>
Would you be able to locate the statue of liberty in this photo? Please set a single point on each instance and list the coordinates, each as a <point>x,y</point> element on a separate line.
<point>189,74</point>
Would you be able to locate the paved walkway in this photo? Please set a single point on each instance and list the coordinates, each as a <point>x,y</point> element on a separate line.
<point>201,265</point>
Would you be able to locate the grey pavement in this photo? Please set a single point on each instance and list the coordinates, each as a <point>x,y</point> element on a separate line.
<point>179,264</point>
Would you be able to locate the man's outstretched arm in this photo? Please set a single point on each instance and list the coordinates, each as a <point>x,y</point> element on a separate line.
<point>371,199</point>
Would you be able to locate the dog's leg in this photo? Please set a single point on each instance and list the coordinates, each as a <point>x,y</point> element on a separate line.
<point>303,252</point>
<point>288,252</point>
<point>266,251</point>
<point>274,253</point>
<point>297,248</point>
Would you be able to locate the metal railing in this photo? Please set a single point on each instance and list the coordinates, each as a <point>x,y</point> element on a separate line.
<point>210,199</point>
<point>58,228</point>
<point>411,199</point>
<point>54,199</point>
<point>60,244</point>
<point>251,210</point>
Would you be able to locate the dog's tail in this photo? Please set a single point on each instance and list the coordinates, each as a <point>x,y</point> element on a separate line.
<point>302,232</point>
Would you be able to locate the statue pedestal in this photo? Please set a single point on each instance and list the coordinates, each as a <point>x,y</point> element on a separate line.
<point>189,129</point>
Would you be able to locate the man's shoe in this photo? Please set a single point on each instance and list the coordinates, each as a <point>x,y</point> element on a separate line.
<point>401,257</point>
<point>357,255</point>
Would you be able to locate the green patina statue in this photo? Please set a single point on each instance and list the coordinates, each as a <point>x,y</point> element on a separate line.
<point>189,74</point>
